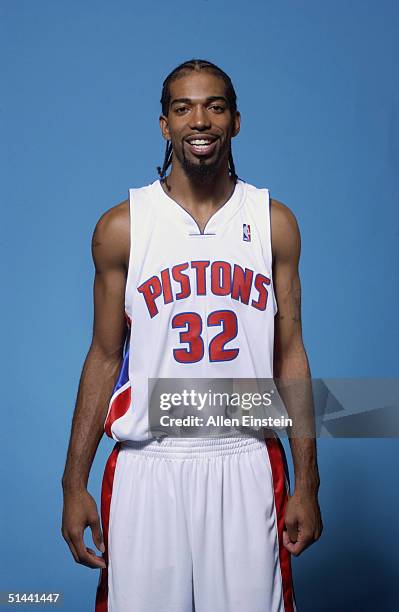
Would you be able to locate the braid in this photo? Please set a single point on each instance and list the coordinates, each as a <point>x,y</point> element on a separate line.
<point>195,65</point>
<point>232,168</point>
<point>166,162</point>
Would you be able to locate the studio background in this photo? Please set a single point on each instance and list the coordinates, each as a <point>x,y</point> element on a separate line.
<point>318,91</point>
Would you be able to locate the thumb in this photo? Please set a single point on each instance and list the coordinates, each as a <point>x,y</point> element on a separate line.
<point>292,531</point>
<point>97,534</point>
<point>287,541</point>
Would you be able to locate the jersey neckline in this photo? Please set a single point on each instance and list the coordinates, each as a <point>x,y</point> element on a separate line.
<point>216,221</point>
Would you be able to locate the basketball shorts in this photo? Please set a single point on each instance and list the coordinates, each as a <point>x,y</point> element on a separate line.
<point>195,525</point>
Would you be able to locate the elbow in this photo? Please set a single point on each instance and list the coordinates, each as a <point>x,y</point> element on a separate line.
<point>108,356</point>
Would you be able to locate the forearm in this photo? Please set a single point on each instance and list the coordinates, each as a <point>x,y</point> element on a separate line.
<point>96,384</point>
<point>293,380</point>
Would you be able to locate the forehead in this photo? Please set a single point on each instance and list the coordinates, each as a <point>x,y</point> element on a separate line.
<point>197,86</point>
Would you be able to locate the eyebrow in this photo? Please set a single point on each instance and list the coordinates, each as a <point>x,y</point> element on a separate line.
<point>209,99</point>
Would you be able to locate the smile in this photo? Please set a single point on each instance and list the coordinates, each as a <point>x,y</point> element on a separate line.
<point>201,146</point>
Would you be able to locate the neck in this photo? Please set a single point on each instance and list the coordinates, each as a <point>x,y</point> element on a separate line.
<point>209,191</point>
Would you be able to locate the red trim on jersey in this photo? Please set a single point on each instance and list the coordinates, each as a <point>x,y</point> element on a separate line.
<point>183,279</point>
<point>260,282</point>
<point>242,283</point>
<point>119,406</point>
<point>151,290</point>
<point>106,494</point>
<point>221,278</point>
<point>277,461</point>
<point>200,270</point>
<point>166,286</point>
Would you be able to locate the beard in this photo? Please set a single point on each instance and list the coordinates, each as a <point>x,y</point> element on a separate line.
<point>200,170</point>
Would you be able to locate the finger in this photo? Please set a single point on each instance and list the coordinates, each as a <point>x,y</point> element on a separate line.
<point>317,534</point>
<point>286,538</point>
<point>290,546</point>
<point>292,530</point>
<point>84,556</point>
<point>296,548</point>
<point>93,552</point>
<point>72,549</point>
<point>97,534</point>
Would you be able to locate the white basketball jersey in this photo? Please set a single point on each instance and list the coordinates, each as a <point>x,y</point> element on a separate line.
<point>198,305</point>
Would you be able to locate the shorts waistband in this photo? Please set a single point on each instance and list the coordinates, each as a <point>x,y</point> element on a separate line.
<point>190,448</point>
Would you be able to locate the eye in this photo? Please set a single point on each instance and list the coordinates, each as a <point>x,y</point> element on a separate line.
<point>218,108</point>
<point>180,110</point>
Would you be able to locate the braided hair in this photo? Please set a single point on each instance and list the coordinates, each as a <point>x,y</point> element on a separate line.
<point>195,65</point>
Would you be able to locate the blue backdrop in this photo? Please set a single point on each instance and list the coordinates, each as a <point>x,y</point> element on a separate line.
<point>318,94</point>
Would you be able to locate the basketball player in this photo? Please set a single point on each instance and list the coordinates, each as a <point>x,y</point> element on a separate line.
<point>196,276</point>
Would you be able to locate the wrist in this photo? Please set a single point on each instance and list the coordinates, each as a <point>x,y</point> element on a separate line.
<point>308,486</point>
<point>73,485</point>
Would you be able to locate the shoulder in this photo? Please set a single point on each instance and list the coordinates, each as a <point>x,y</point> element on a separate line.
<point>111,236</point>
<point>282,216</point>
<point>113,220</point>
<point>285,232</point>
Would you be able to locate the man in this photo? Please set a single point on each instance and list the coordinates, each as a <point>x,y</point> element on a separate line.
<point>201,270</point>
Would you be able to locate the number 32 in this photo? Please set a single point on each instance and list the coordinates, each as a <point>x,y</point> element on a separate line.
<point>192,336</point>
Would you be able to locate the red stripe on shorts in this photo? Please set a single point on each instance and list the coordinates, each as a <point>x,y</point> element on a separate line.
<point>106,494</point>
<point>277,461</point>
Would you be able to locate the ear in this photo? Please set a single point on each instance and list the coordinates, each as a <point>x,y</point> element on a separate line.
<point>164,125</point>
<point>236,124</point>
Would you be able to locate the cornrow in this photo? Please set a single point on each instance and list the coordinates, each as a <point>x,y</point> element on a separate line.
<point>232,167</point>
<point>166,162</point>
<point>189,66</point>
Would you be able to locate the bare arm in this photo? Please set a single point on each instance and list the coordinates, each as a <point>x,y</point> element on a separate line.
<point>110,245</point>
<point>303,520</point>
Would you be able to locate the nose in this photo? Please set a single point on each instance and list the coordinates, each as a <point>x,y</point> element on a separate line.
<point>199,118</point>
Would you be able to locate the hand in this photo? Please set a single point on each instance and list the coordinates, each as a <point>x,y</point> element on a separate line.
<point>303,522</point>
<point>80,511</point>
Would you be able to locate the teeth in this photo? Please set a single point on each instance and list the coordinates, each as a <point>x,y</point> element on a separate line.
<point>200,142</point>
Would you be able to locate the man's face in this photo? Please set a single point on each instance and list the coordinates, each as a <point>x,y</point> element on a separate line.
<point>199,124</point>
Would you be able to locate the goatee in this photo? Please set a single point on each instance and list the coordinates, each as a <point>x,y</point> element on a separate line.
<point>201,170</point>
<point>198,171</point>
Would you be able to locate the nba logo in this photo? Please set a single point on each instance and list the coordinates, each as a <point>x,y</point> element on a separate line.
<point>246,232</point>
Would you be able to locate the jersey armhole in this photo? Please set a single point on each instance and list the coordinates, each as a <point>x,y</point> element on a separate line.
<point>269,205</point>
<point>128,314</point>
